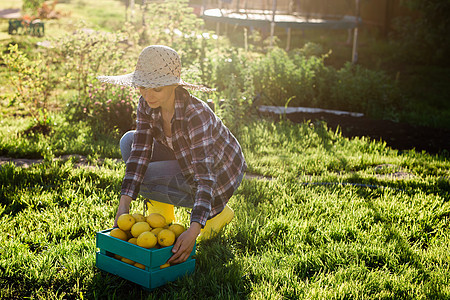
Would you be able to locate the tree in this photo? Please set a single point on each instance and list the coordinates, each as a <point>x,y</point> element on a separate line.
<point>425,39</point>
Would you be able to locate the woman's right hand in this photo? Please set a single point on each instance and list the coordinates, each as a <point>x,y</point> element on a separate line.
<point>124,207</point>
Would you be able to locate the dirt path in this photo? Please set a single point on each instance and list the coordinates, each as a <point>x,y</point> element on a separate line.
<point>80,161</point>
<point>399,136</point>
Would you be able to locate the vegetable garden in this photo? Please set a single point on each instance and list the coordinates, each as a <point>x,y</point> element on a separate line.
<point>318,216</point>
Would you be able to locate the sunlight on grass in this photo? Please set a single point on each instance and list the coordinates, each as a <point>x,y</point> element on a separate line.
<point>5,4</point>
<point>324,217</point>
<point>104,14</point>
<point>288,240</point>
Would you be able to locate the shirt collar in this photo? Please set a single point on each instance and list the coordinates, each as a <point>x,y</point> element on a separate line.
<point>181,96</point>
<point>155,113</point>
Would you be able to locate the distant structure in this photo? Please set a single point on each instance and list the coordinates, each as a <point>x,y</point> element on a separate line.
<point>288,14</point>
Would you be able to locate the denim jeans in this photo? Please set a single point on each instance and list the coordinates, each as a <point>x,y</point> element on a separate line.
<point>163,180</point>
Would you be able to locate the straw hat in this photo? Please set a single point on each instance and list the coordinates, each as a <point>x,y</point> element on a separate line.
<point>156,66</point>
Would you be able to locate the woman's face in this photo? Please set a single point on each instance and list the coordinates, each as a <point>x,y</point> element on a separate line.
<point>159,97</point>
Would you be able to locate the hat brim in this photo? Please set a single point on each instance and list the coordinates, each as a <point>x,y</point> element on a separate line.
<point>135,80</point>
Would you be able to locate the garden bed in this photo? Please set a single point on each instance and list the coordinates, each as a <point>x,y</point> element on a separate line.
<point>401,136</point>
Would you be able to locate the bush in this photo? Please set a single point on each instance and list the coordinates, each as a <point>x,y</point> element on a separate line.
<point>228,72</point>
<point>424,39</point>
<point>33,81</point>
<point>176,26</point>
<point>279,77</point>
<point>363,90</point>
<point>86,54</point>
<point>32,6</point>
<point>302,79</point>
<point>107,108</point>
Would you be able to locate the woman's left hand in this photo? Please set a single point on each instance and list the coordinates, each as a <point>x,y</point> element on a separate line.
<point>184,244</point>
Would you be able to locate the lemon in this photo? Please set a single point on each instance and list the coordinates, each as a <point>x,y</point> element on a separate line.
<point>166,238</point>
<point>118,233</point>
<point>178,229</point>
<point>133,241</point>
<point>128,261</point>
<point>139,228</point>
<point>125,221</point>
<point>146,240</point>
<point>117,256</point>
<point>140,266</point>
<point>156,230</point>
<point>164,266</point>
<point>139,217</point>
<point>156,220</point>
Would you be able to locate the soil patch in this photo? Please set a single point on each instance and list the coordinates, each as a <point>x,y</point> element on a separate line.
<point>400,136</point>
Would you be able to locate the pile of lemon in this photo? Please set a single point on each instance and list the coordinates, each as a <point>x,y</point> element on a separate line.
<point>147,232</point>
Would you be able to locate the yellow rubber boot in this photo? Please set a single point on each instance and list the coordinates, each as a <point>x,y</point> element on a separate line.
<point>167,210</point>
<point>214,225</point>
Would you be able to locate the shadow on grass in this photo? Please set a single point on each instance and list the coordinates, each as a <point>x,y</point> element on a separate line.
<point>406,256</point>
<point>217,275</point>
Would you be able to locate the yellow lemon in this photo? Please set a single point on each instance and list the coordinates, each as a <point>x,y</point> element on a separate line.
<point>178,229</point>
<point>116,256</point>
<point>140,266</point>
<point>128,261</point>
<point>156,220</point>
<point>125,221</point>
<point>156,230</point>
<point>166,238</point>
<point>146,240</point>
<point>139,217</point>
<point>164,266</point>
<point>139,228</point>
<point>118,233</point>
<point>133,241</point>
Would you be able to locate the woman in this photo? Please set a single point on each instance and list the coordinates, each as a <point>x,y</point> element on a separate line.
<point>180,153</point>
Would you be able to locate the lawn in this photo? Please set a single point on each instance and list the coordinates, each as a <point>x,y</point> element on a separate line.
<point>331,218</point>
<point>318,215</point>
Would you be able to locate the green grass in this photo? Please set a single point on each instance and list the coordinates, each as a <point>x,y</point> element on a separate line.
<point>289,239</point>
<point>328,218</point>
<point>65,138</point>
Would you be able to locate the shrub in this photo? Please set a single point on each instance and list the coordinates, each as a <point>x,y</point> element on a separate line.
<point>107,108</point>
<point>176,26</point>
<point>279,76</point>
<point>86,54</point>
<point>363,90</point>
<point>230,71</point>
<point>33,81</point>
<point>302,79</point>
<point>424,39</point>
<point>32,6</point>
<point>232,77</point>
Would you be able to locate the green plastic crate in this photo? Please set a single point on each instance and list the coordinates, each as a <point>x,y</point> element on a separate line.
<point>150,278</point>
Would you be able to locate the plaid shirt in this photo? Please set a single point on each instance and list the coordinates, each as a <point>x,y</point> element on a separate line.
<point>209,155</point>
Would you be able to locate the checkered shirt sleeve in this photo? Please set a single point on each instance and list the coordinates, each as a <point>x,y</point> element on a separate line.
<point>141,150</point>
